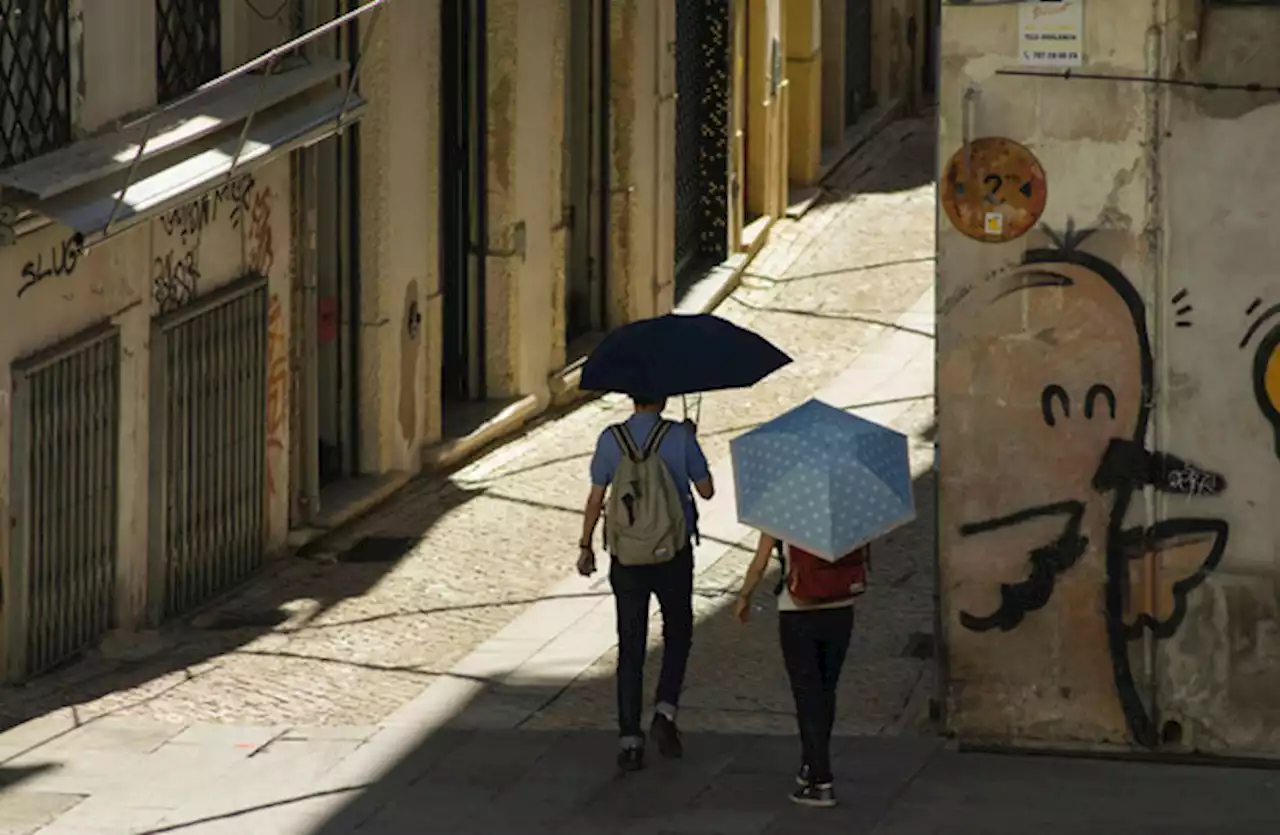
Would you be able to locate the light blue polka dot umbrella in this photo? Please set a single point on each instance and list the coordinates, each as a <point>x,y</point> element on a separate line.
<point>823,479</point>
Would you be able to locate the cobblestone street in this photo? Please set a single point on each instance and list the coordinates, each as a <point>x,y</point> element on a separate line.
<point>341,639</point>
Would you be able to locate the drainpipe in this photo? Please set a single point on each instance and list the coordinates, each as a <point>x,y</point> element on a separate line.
<point>1156,255</point>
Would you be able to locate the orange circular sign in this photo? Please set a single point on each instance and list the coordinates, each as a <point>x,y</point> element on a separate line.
<point>994,190</point>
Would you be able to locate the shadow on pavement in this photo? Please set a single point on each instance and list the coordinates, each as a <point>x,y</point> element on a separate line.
<point>536,755</point>
<point>126,672</point>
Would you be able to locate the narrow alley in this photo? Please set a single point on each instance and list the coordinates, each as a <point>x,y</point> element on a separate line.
<point>334,645</point>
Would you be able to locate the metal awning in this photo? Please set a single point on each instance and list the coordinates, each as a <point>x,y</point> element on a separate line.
<point>251,115</point>
<point>164,181</point>
<point>93,159</point>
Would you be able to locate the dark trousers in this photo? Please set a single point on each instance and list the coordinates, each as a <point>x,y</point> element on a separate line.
<point>672,583</point>
<point>814,645</point>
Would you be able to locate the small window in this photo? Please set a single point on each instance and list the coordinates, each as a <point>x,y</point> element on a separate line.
<point>35,95</point>
<point>188,45</point>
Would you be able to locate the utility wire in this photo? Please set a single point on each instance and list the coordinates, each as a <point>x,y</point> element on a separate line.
<point>1069,75</point>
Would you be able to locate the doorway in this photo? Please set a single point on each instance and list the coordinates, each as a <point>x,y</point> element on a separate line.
<point>587,172</point>
<point>463,231</point>
<point>337,263</point>
<point>703,82</point>
<point>858,95</point>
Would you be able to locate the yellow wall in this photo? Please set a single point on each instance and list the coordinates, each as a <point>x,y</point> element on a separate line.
<point>804,89</point>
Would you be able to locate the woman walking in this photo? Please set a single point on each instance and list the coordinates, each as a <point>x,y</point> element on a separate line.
<point>815,625</point>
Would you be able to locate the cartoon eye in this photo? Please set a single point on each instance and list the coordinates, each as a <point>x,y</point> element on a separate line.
<point>1099,390</point>
<point>1054,392</point>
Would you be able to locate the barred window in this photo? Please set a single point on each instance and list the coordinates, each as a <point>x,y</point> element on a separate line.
<point>35,61</point>
<point>188,45</point>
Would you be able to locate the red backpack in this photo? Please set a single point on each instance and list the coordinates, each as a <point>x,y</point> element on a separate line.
<point>812,580</point>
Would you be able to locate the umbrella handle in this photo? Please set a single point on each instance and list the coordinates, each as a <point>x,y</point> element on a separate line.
<point>684,407</point>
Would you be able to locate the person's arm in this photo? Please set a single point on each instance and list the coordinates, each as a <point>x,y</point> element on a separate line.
<point>755,571</point>
<point>696,465</point>
<point>603,464</point>
<point>591,516</point>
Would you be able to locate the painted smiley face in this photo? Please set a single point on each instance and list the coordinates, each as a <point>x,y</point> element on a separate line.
<point>1052,372</point>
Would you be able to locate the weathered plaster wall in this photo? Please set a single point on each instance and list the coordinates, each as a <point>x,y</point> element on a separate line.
<point>767,102</point>
<point>1107,428</point>
<point>55,291</point>
<point>1219,675</point>
<point>399,211</point>
<point>1023,599</point>
<point>642,153</point>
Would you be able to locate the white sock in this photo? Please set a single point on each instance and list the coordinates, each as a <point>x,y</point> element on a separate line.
<point>667,710</point>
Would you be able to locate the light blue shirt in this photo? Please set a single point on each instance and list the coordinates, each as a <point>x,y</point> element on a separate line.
<point>679,450</point>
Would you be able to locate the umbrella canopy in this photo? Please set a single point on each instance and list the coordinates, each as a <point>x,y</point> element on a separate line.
<point>678,354</point>
<point>822,479</point>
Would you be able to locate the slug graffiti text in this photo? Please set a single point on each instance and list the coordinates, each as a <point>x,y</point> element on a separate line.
<point>62,261</point>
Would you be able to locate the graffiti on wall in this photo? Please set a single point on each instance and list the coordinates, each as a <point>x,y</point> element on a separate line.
<point>1080,437</point>
<point>175,273</point>
<point>62,261</point>
<point>175,278</point>
<point>261,247</point>
<point>190,219</point>
<point>277,385</point>
<point>1266,363</point>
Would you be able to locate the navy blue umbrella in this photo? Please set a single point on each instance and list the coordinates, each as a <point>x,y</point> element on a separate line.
<point>677,354</point>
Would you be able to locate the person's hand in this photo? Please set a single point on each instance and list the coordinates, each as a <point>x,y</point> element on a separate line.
<point>586,562</point>
<point>742,609</point>
<point>692,424</point>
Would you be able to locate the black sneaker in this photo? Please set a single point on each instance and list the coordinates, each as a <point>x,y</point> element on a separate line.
<point>631,759</point>
<point>802,776</point>
<point>667,736</point>
<point>821,795</point>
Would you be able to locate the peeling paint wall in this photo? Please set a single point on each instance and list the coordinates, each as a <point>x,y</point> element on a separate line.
<point>1219,675</point>
<point>1107,427</point>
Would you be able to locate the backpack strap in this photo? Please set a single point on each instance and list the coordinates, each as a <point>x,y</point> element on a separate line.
<point>656,436</point>
<point>625,442</point>
<point>780,554</point>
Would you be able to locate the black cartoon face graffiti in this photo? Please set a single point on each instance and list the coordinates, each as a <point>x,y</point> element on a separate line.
<point>1065,334</point>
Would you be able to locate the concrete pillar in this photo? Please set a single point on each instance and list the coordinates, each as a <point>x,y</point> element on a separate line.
<point>804,90</point>
<point>399,216</point>
<point>642,151</point>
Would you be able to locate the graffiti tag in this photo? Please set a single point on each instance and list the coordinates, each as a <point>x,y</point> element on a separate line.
<point>189,220</point>
<point>262,251</point>
<point>63,260</point>
<point>1193,481</point>
<point>277,383</point>
<point>174,280</point>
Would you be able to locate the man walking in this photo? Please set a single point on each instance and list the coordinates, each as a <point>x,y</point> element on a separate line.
<point>649,527</point>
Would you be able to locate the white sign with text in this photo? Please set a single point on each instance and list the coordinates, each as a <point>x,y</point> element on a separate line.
<point>1051,33</point>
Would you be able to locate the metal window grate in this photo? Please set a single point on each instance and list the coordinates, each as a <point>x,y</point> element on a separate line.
<point>702,133</point>
<point>64,489</point>
<point>209,445</point>
<point>188,45</point>
<point>35,62</point>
